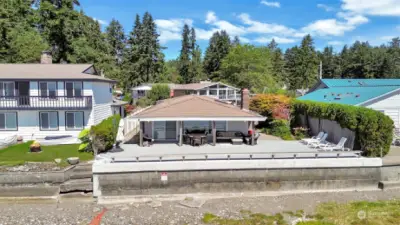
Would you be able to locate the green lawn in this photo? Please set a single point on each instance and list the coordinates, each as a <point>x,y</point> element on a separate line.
<point>352,213</point>
<point>19,154</point>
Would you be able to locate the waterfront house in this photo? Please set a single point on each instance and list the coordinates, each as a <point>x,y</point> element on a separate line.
<point>39,100</point>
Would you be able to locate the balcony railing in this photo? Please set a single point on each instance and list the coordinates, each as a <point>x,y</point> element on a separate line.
<point>48,103</point>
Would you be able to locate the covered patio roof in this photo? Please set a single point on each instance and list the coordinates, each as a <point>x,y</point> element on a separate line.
<point>196,108</point>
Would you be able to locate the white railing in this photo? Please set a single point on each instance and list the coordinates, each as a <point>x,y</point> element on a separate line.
<point>132,125</point>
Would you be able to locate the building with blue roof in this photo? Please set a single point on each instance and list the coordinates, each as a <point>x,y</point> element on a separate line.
<point>379,94</point>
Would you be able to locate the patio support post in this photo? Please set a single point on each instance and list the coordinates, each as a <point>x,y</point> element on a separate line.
<point>214,133</point>
<point>140,133</point>
<point>252,132</point>
<point>180,133</point>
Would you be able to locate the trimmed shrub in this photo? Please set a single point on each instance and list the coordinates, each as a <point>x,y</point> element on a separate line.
<point>144,102</point>
<point>159,92</point>
<point>86,143</point>
<point>374,130</point>
<point>273,106</point>
<point>281,128</point>
<point>104,134</point>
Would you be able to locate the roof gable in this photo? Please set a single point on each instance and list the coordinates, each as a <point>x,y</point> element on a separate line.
<point>195,106</point>
<point>50,72</point>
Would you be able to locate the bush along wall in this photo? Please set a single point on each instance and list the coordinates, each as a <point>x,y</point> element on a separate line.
<point>104,134</point>
<point>374,130</point>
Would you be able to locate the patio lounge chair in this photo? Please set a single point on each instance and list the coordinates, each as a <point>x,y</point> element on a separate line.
<point>338,146</point>
<point>317,143</point>
<point>313,139</point>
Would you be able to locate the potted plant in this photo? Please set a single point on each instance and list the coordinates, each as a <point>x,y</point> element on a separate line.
<point>35,147</point>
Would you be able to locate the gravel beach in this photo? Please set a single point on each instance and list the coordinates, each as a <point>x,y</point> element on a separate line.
<point>68,211</point>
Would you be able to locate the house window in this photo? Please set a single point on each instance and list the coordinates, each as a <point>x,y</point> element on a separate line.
<point>8,121</point>
<point>48,89</point>
<point>213,92</point>
<point>204,125</point>
<point>203,92</point>
<point>48,120</point>
<point>73,89</point>
<point>74,120</point>
<point>7,89</point>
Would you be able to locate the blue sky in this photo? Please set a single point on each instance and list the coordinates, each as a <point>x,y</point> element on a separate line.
<point>330,22</point>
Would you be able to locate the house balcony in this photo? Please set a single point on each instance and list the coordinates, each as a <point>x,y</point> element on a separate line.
<point>45,103</point>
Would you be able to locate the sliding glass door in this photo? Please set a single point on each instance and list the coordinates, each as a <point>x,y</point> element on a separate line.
<point>164,130</point>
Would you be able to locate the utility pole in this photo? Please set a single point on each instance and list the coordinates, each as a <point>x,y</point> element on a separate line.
<point>320,69</point>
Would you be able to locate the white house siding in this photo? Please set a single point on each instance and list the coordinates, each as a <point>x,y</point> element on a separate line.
<point>29,129</point>
<point>101,112</point>
<point>390,106</point>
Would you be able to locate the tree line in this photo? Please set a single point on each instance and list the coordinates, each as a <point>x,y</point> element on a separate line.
<point>28,27</point>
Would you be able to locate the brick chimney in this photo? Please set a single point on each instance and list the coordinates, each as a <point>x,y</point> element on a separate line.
<point>245,100</point>
<point>46,58</point>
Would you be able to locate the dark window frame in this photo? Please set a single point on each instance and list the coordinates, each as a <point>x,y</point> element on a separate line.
<point>16,120</point>
<point>40,121</point>
<point>73,89</point>
<point>83,120</point>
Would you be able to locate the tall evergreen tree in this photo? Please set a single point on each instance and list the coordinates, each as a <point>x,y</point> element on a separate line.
<point>277,62</point>
<point>217,49</point>
<point>236,41</point>
<point>308,62</point>
<point>184,57</point>
<point>329,63</point>
<point>116,39</point>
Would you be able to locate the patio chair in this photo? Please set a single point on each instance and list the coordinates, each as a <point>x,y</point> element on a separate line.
<point>247,139</point>
<point>317,143</point>
<point>313,139</point>
<point>338,146</point>
<point>147,141</point>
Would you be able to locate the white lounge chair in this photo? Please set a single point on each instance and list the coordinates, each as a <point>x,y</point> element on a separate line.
<point>313,139</point>
<point>338,146</point>
<point>316,143</point>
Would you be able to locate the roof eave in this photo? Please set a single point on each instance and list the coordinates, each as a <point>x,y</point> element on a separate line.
<point>378,98</point>
<point>200,118</point>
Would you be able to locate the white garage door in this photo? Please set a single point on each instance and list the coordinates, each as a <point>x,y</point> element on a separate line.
<point>393,114</point>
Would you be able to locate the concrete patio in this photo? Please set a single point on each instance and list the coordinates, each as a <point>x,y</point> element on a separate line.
<point>265,149</point>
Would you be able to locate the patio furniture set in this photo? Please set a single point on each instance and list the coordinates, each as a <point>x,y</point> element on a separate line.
<point>199,137</point>
<point>320,142</point>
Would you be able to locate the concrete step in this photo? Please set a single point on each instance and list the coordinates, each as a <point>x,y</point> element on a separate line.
<point>81,175</point>
<point>83,168</point>
<point>386,185</point>
<point>84,185</point>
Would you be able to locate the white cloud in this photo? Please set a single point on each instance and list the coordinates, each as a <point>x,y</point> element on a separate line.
<point>387,38</point>
<point>271,4</point>
<point>171,29</point>
<point>280,40</point>
<point>335,43</point>
<point>373,7</point>
<point>102,22</point>
<point>211,17</point>
<point>335,27</point>
<point>326,7</point>
<point>267,28</point>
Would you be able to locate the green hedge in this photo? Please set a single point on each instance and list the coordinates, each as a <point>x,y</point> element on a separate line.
<point>104,134</point>
<point>374,130</point>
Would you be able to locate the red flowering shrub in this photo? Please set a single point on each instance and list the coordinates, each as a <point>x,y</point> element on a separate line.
<point>274,106</point>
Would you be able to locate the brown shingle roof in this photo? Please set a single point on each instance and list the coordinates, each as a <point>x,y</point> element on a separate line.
<point>48,72</point>
<point>196,106</point>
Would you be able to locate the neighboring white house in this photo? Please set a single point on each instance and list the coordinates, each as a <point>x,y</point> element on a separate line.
<point>39,100</point>
<point>379,94</point>
<point>216,90</point>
